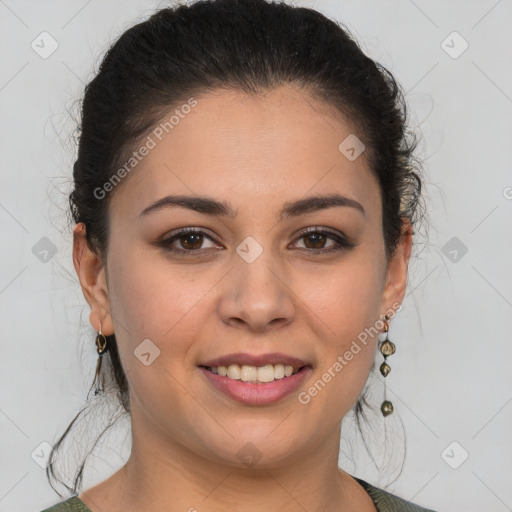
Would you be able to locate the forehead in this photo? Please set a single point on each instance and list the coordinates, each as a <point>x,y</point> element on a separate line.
<point>249,149</point>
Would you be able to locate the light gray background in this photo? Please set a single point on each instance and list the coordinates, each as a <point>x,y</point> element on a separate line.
<point>451,378</point>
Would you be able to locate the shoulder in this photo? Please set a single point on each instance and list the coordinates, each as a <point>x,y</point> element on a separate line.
<point>387,502</point>
<point>72,504</point>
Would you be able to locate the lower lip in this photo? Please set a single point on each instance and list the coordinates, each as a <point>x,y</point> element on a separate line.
<point>257,393</point>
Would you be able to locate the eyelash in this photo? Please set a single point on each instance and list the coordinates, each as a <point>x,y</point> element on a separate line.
<point>342,243</point>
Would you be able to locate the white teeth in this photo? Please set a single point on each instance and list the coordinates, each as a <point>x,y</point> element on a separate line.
<point>234,371</point>
<point>279,371</point>
<point>266,373</point>
<point>247,373</point>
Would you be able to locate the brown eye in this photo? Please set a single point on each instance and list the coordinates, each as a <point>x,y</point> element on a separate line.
<point>187,241</point>
<point>315,239</point>
<point>191,241</point>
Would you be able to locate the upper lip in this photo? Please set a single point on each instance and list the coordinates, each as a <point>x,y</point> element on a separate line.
<point>242,358</point>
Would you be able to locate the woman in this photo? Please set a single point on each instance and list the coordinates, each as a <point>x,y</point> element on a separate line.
<point>244,199</point>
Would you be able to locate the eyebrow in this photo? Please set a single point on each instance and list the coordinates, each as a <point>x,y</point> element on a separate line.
<point>210,206</point>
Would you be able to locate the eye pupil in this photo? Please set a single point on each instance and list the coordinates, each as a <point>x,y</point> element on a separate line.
<point>195,237</point>
<point>318,239</point>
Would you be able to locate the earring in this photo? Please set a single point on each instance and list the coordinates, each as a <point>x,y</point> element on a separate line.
<point>102,347</point>
<point>101,343</point>
<point>387,348</point>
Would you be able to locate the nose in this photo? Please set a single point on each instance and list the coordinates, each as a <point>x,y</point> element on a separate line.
<point>258,295</point>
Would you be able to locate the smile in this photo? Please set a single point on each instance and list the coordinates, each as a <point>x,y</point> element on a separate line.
<point>253,385</point>
<point>247,373</point>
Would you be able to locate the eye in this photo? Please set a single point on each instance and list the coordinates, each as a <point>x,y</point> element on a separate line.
<point>190,240</point>
<point>315,238</point>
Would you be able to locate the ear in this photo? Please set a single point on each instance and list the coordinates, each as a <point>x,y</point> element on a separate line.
<point>91,273</point>
<point>396,279</point>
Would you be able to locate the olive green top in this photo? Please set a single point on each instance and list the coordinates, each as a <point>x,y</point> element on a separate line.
<point>383,500</point>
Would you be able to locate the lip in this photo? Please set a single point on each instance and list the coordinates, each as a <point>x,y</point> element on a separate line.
<point>254,393</point>
<point>241,358</point>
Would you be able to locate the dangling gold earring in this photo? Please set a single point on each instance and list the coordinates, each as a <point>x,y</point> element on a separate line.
<point>387,348</point>
<point>102,347</point>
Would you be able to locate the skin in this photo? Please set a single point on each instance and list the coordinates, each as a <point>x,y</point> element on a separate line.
<point>257,152</point>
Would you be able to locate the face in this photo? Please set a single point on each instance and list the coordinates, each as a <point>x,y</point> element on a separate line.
<point>265,278</point>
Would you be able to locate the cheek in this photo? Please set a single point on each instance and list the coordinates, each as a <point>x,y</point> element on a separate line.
<point>344,360</point>
<point>345,313</point>
<point>346,299</point>
<point>152,299</point>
